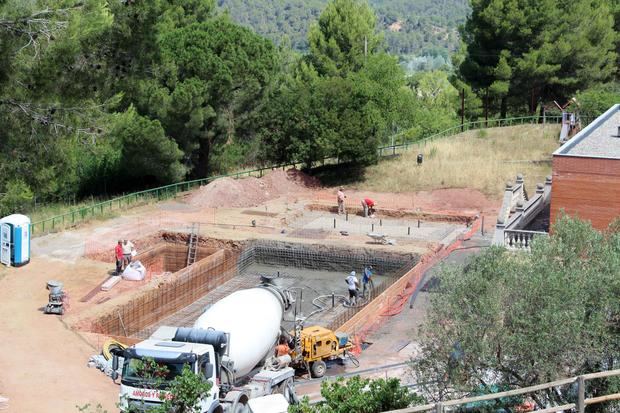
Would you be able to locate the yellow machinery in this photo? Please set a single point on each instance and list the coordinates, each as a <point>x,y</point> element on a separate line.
<point>314,345</point>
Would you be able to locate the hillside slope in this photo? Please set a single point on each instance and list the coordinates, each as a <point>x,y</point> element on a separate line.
<point>411,27</point>
<point>482,160</point>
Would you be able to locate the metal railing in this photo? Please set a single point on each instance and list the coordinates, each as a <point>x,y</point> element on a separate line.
<point>579,405</point>
<point>82,214</point>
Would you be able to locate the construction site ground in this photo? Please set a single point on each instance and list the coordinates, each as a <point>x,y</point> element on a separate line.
<point>389,349</point>
<point>45,357</point>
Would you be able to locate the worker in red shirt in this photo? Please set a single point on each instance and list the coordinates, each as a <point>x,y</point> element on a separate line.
<point>369,206</point>
<point>118,254</point>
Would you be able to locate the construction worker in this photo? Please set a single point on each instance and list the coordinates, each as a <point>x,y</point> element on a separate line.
<point>118,254</point>
<point>341,196</point>
<point>353,286</point>
<point>128,250</point>
<point>367,282</point>
<point>282,349</point>
<point>369,207</point>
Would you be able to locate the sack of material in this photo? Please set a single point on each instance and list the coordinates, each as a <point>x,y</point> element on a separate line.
<point>134,272</point>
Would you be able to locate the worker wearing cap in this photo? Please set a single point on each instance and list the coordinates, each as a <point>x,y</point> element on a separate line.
<point>341,196</point>
<point>369,206</point>
<point>118,254</point>
<point>367,282</point>
<point>353,285</point>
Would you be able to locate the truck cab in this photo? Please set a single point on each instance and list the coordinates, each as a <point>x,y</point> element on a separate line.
<point>142,386</point>
<point>150,365</point>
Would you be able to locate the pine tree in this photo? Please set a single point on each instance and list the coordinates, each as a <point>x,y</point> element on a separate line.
<point>525,51</point>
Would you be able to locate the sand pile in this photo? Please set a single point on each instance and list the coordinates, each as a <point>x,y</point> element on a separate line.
<point>248,192</point>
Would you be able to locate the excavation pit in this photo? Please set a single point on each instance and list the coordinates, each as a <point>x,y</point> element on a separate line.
<point>312,272</point>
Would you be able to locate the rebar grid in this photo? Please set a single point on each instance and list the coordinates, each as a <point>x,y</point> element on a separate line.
<point>194,282</point>
<point>320,257</point>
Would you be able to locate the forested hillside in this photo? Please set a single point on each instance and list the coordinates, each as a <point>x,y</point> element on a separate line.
<point>101,97</point>
<point>409,26</point>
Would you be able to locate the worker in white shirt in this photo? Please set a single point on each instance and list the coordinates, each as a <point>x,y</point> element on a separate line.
<point>128,249</point>
<point>353,285</point>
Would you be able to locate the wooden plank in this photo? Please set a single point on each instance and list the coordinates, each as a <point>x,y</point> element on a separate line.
<point>509,393</point>
<point>601,399</point>
<point>92,292</point>
<point>557,408</point>
<point>602,374</point>
<point>110,283</point>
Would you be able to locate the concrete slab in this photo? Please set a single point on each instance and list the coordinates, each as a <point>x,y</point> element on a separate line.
<point>393,228</point>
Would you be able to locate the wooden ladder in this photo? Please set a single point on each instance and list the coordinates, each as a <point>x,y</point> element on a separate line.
<point>193,244</point>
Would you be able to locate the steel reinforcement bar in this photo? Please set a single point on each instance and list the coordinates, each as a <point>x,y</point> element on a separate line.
<point>74,217</point>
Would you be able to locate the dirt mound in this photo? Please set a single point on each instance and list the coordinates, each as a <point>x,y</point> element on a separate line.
<point>249,192</point>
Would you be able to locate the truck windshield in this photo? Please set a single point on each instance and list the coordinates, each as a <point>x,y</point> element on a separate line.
<point>152,371</point>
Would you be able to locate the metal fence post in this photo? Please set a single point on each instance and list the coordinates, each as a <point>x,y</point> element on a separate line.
<point>439,407</point>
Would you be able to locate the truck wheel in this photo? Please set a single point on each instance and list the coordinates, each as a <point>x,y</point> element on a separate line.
<point>317,369</point>
<point>238,402</point>
<point>285,388</point>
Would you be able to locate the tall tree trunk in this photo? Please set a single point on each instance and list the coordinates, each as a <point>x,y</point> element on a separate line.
<point>202,166</point>
<point>504,107</point>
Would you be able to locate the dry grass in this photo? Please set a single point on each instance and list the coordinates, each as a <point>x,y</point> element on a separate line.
<point>482,160</point>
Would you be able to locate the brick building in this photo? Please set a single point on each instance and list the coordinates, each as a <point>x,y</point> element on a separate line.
<point>586,172</point>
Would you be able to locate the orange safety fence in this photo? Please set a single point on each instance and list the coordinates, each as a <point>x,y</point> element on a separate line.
<point>394,299</point>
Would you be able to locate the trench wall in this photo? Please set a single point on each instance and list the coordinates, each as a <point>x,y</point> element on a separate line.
<point>395,296</point>
<point>323,257</point>
<point>170,257</point>
<point>186,286</point>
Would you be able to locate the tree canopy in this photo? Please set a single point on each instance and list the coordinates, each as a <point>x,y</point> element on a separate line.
<point>514,320</point>
<point>361,396</point>
<point>418,27</point>
<point>102,97</point>
<point>344,98</point>
<point>527,51</point>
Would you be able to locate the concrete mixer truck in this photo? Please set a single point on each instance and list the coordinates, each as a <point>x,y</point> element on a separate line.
<point>228,345</point>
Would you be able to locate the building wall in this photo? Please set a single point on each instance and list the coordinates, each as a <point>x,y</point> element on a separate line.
<point>586,187</point>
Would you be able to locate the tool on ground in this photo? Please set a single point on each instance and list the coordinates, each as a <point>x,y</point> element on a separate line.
<point>56,298</point>
<point>315,345</point>
<point>379,238</point>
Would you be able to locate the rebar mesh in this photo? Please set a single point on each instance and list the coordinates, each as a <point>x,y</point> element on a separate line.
<point>194,282</point>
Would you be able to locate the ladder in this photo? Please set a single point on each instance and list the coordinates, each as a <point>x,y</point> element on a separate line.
<point>192,244</point>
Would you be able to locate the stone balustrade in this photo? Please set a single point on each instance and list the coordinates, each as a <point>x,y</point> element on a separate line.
<point>520,240</point>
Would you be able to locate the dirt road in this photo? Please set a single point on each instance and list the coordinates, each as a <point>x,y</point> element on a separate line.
<point>44,362</point>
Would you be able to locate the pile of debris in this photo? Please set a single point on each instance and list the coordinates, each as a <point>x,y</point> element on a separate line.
<point>250,191</point>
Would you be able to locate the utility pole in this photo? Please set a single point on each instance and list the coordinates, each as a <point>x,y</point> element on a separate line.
<point>463,110</point>
<point>365,46</point>
<point>486,109</point>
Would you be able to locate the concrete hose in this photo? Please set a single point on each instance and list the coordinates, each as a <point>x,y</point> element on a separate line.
<point>110,346</point>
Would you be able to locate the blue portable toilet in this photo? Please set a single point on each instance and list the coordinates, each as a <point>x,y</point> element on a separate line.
<point>15,240</point>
